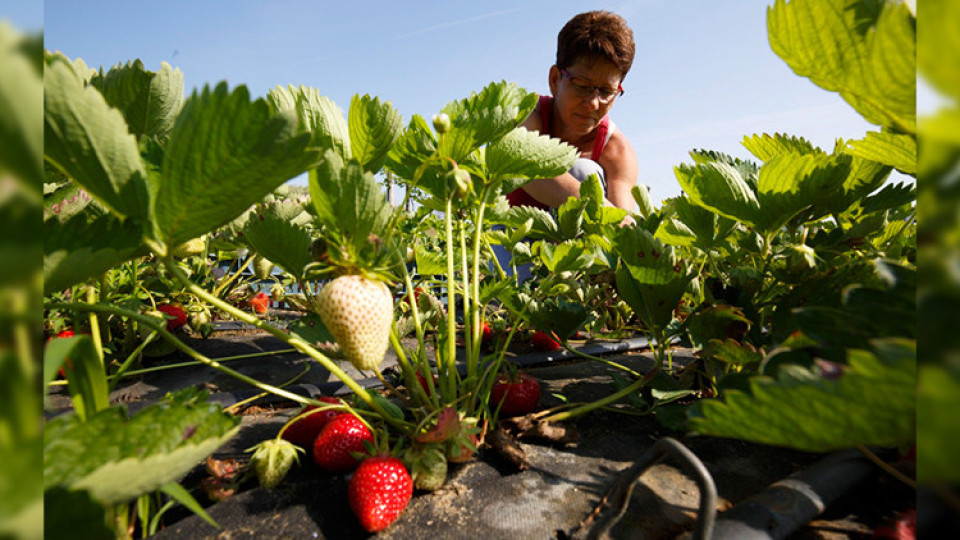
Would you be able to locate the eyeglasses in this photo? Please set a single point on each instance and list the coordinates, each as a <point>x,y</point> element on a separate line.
<point>584,89</point>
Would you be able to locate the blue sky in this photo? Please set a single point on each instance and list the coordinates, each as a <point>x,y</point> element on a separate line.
<point>704,74</point>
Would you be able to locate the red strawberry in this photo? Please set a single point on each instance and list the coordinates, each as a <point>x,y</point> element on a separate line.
<point>259,302</point>
<point>358,311</point>
<point>902,527</point>
<point>304,431</point>
<point>179,316</point>
<point>65,334</point>
<point>542,341</point>
<point>519,394</point>
<point>378,492</point>
<point>335,442</point>
<point>486,333</point>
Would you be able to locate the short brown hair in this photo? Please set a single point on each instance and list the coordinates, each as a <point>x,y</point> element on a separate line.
<point>600,34</point>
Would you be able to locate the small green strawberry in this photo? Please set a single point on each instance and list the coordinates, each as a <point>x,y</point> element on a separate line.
<point>262,268</point>
<point>278,292</point>
<point>190,248</point>
<point>428,466</point>
<point>272,460</point>
<point>358,312</point>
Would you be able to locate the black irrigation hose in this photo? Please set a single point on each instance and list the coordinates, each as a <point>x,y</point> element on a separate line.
<point>785,506</point>
<point>618,499</point>
<point>337,388</point>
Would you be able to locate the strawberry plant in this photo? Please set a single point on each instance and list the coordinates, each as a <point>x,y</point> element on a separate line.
<point>791,276</point>
<point>820,250</point>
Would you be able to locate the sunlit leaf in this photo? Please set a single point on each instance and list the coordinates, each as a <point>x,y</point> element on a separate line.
<point>225,153</point>
<point>527,154</point>
<point>865,50</point>
<point>373,127</point>
<point>88,141</point>
<point>149,101</point>
<point>895,150</point>
<point>317,114</point>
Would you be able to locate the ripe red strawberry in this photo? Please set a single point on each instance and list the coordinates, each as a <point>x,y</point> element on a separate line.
<point>64,334</point>
<point>486,333</point>
<point>335,442</point>
<point>902,527</point>
<point>520,394</point>
<point>179,316</point>
<point>304,431</point>
<point>259,302</point>
<point>358,313</point>
<point>542,341</point>
<point>378,492</point>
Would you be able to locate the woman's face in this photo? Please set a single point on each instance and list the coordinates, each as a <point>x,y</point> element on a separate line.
<point>584,92</point>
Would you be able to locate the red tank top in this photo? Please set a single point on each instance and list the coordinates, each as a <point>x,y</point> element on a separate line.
<point>519,197</point>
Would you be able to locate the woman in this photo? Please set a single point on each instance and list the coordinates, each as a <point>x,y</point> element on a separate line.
<point>594,53</point>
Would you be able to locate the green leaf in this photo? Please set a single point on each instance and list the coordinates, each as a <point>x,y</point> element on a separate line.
<point>78,250</point>
<point>791,182</point>
<point>414,146</point>
<point>938,432</point>
<point>21,486</point>
<point>865,50</point>
<point>570,217</point>
<point>896,150</point>
<point>21,108</point>
<point>88,141</point>
<point>865,176</point>
<point>483,118</point>
<point>766,147</point>
<point>311,329</point>
<point>348,200</point>
<point>117,459</point>
<point>650,278</point>
<point>225,153</point>
<point>891,196</point>
<point>374,126</point>
<point>733,352</point>
<point>527,154</point>
<point>149,101</point>
<point>938,54</point>
<point>871,403</point>
<point>641,195</point>
<point>542,223</point>
<point>720,188</point>
<point>66,512</point>
<point>717,322</point>
<point>569,256</point>
<point>559,316</point>
<point>84,371</point>
<point>694,226</point>
<point>182,496</point>
<point>430,263</point>
<point>279,240</point>
<point>317,114</point>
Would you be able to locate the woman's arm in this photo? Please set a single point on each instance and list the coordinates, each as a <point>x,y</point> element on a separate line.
<point>619,162</point>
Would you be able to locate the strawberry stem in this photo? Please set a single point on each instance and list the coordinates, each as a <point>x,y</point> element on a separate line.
<point>295,341</point>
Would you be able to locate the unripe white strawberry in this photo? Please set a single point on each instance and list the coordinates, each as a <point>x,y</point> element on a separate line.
<point>272,460</point>
<point>358,312</point>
